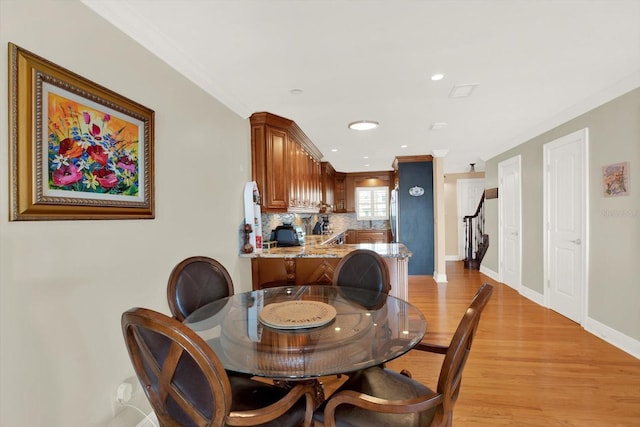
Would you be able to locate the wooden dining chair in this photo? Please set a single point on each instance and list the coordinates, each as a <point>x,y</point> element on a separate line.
<point>363,269</point>
<point>378,396</point>
<point>187,385</point>
<point>194,282</point>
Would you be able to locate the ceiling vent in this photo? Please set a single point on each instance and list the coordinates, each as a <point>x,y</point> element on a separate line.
<point>462,91</point>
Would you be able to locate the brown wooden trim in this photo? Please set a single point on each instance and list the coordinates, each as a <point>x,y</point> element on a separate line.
<point>409,159</point>
<point>491,193</point>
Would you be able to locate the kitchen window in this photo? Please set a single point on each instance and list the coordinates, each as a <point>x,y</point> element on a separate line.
<point>372,203</point>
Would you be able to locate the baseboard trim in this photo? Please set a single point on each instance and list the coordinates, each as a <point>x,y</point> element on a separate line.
<point>534,296</point>
<point>488,272</point>
<point>453,258</point>
<point>440,278</point>
<point>613,337</point>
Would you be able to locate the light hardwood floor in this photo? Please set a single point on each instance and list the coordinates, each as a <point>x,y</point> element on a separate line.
<point>529,366</point>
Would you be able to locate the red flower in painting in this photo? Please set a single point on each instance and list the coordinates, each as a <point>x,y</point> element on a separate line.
<point>127,164</point>
<point>70,148</point>
<point>107,179</point>
<point>98,154</point>
<point>94,130</point>
<point>66,175</point>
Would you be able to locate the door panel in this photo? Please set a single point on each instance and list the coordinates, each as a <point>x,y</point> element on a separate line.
<point>565,201</point>
<point>510,222</point>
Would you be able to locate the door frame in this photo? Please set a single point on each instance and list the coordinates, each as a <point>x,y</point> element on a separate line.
<point>518,161</point>
<point>461,227</point>
<point>583,135</point>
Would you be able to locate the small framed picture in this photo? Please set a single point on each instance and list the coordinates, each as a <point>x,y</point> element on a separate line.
<point>615,179</point>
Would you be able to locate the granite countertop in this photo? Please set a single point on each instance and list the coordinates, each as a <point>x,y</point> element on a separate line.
<point>314,247</point>
<point>321,239</point>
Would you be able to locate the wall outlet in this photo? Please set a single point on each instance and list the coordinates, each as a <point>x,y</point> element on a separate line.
<point>123,393</point>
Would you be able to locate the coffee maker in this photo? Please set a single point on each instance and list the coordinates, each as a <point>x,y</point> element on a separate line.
<point>325,224</point>
<point>288,234</point>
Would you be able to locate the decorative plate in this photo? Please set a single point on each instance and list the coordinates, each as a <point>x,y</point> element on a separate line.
<point>416,191</point>
<point>297,314</point>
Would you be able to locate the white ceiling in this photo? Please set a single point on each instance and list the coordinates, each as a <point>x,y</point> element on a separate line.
<point>537,63</point>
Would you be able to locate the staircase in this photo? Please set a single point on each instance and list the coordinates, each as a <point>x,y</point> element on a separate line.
<point>476,241</point>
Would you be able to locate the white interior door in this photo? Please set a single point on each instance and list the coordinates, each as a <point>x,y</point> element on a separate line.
<point>565,197</point>
<point>469,194</point>
<point>509,203</point>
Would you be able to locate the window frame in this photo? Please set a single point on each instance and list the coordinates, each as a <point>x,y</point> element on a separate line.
<point>372,191</point>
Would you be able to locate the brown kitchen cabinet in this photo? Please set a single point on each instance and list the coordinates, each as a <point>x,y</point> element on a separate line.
<point>340,192</point>
<point>366,236</point>
<point>285,165</point>
<point>351,237</point>
<point>305,173</point>
<point>327,174</point>
<point>372,236</point>
<point>270,272</point>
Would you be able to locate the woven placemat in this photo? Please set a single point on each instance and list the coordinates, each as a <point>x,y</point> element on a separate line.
<point>297,314</point>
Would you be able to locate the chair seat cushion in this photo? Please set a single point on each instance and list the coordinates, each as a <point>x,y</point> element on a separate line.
<point>384,384</point>
<point>250,394</point>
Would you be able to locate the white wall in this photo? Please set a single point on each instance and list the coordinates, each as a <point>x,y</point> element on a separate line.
<point>64,284</point>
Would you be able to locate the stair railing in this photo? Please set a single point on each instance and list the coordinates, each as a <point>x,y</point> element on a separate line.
<point>474,232</point>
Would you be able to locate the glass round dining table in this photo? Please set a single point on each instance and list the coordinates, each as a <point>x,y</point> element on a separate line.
<point>296,333</point>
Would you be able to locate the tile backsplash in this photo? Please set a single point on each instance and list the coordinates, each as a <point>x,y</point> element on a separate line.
<point>338,222</point>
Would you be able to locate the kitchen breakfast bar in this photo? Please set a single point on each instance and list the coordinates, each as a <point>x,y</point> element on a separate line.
<point>315,261</point>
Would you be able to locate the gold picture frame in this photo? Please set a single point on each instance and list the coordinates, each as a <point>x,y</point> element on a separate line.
<point>77,149</point>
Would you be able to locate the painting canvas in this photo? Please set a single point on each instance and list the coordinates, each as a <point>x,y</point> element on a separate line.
<point>78,150</point>
<point>615,179</point>
<point>92,151</point>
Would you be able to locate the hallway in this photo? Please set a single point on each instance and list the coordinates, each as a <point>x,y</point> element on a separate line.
<point>529,366</point>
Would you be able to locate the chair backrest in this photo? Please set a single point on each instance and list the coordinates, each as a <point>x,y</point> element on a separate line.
<point>363,269</point>
<point>182,377</point>
<point>458,352</point>
<point>194,282</point>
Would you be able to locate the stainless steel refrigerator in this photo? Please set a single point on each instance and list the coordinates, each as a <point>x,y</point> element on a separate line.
<point>393,215</point>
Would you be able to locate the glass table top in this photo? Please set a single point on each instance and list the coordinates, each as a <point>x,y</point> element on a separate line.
<point>364,329</point>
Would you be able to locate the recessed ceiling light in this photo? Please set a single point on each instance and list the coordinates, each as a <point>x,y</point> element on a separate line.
<point>334,150</point>
<point>365,157</point>
<point>404,146</point>
<point>363,125</point>
<point>295,91</point>
<point>462,91</point>
<point>437,76</point>
<point>438,125</point>
<point>367,165</point>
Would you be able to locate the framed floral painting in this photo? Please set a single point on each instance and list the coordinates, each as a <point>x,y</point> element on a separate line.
<point>77,149</point>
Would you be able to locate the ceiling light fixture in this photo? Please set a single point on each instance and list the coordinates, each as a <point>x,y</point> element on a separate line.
<point>363,125</point>
<point>437,76</point>
<point>334,150</point>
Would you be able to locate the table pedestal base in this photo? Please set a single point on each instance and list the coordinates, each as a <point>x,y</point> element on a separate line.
<point>317,386</point>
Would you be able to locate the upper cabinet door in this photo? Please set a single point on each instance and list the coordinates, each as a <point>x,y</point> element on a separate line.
<point>277,196</point>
